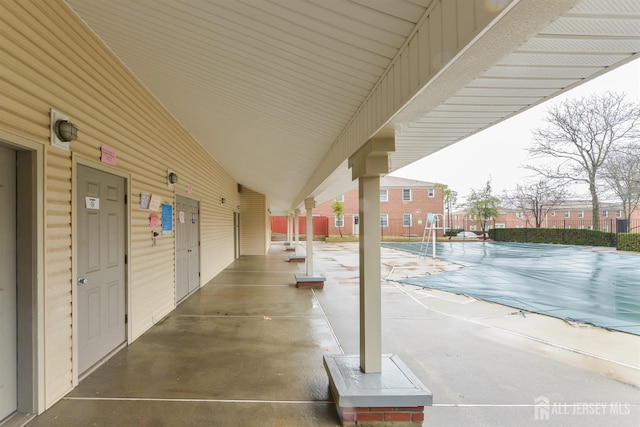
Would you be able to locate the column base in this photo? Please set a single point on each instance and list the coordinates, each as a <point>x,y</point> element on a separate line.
<point>315,282</point>
<point>289,248</point>
<point>297,258</point>
<point>395,397</point>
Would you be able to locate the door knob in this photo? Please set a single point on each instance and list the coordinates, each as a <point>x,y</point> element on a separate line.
<point>82,281</point>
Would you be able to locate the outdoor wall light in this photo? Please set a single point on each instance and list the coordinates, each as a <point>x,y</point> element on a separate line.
<point>61,130</point>
<point>222,200</point>
<point>172,178</point>
<point>66,131</point>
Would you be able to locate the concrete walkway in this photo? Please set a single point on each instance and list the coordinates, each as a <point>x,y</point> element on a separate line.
<point>246,350</point>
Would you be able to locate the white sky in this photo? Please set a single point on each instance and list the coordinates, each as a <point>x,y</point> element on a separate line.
<point>497,153</point>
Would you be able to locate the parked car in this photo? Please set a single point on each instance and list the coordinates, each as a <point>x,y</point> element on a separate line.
<point>467,235</point>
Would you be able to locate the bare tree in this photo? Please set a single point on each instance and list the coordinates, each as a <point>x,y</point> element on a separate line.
<point>535,200</point>
<point>621,173</point>
<point>581,134</point>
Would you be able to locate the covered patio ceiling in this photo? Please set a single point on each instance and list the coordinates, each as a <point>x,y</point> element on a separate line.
<point>282,92</point>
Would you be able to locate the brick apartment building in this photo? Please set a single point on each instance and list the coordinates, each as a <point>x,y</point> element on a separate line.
<point>576,214</point>
<point>404,206</point>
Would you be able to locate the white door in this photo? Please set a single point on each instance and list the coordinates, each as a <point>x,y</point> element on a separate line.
<point>187,246</point>
<point>8,313</point>
<point>101,265</point>
<point>356,225</point>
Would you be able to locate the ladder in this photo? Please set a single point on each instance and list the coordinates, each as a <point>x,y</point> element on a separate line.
<point>429,235</point>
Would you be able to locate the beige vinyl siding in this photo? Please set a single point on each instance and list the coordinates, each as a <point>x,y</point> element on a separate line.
<point>50,59</point>
<point>57,289</point>
<point>254,223</point>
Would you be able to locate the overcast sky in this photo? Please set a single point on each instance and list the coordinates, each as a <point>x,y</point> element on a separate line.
<point>497,153</point>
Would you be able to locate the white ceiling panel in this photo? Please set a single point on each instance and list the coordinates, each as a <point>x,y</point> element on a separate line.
<point>268,86</point>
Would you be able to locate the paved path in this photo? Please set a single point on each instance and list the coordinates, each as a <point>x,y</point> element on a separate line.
<point>247,348</point>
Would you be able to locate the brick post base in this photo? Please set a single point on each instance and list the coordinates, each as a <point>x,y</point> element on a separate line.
<point>394,397</point>
<point>315,285</point>
<point>314,282</point>
<point>382,417</point>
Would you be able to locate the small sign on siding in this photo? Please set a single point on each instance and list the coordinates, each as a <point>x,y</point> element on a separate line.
<point>108,155</point>
<point>167,219</point>
<point>92,203</point>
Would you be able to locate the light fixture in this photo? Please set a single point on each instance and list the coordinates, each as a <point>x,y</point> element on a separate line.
<point>222,200</point>
<point>66,131</point>
<point>61,130</point>
<point>172,178</point>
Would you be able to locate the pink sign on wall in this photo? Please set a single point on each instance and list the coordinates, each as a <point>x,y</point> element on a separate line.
<point>108,155</point>
<point>154,220</point>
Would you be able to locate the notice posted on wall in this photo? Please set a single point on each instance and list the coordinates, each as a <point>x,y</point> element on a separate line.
<point>154,220</point>
<point>154,202</point>
<point>167,219</point>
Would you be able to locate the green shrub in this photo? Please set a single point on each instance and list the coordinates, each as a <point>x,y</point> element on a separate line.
<point>629,242</point>
<point>453,232</point>
<point>554,235</point>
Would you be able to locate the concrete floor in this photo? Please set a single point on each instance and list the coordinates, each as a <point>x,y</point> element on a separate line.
<point>246,350</point>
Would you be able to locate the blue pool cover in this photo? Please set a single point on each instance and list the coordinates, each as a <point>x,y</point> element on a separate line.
<point>575,283</point>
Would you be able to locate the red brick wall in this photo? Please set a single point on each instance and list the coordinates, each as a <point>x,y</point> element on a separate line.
<point>559,220</point>
<point>320,225</point>
<point>395,207</point>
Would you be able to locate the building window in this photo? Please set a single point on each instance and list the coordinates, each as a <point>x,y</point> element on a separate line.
<point>519,215</point>
<point>432,192</point>
<point>384,220</point>
<point>384,195</point>
<point>619,214</point>
<point>605,214</point>
<point>406,194</point>
<point>580,214</point>
<point>406,220</point>
<point>567,214</point>
<point>553,212</point>
<point>340,221</point>
<point>340,198</point>
<point>472,228</point>
<point>605,228</point>
<point>500,225</point>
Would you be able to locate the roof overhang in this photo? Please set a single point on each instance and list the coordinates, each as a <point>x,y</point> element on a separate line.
<point>282,93</point>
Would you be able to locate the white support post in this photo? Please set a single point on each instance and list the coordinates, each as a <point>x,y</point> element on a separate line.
<point>296,226</point>
<point>370,287</point>
<point>309,205</point>
<point>289,217</point>
<point>367,164</point>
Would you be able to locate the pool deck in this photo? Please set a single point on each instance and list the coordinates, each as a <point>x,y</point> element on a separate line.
<point>247,350</point>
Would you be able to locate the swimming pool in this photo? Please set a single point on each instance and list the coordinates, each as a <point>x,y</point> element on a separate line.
<point>582,284</point>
